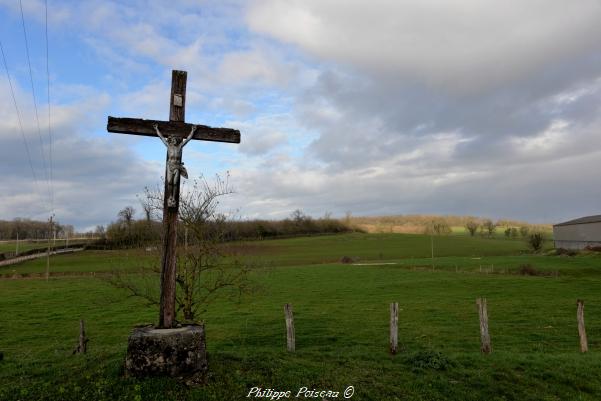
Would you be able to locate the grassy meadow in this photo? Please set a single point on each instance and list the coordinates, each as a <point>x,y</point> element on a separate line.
<point>11,246</point>
<point>341,318</point>
<point>26,245</point>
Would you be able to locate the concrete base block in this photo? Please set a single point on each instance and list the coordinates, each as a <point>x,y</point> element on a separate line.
<point>178,352</point>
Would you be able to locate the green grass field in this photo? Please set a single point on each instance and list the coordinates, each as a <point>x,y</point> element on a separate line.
<point>341,319</point>
<point>303,250</point>
<point>11,246</point>
<point>26,245</point>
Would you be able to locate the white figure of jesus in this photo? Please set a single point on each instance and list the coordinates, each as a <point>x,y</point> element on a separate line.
<point>175,166</point>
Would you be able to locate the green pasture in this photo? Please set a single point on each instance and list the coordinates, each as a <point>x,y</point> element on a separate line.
<point>86,262</point>
<point>331,248</point>
<point>26,245</point>
<point>453,253</point>
<point>11,246</point>
<point>341,319</point>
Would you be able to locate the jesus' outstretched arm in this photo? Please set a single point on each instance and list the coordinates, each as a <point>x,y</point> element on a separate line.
<point>156,128</point>
<point>189,136</point>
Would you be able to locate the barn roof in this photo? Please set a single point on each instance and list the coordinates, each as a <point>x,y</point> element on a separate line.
<point>581,220</point>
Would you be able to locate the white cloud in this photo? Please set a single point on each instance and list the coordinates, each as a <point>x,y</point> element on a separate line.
<point>254,66</point>
<point>264,134</point>
<point>551,140</point>
<point>542,185</point>
<point>93,176</point>
<point>462,45</point>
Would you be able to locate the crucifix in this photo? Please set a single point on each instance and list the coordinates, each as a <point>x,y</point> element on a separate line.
<point>175,134</point>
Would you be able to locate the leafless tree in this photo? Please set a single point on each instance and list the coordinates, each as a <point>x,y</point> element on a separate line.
<point>24,228</point>
<point>524,231</point>
<point>127,215</point>
<point>147,208</point>
<point>489,227</point>
<point>203,269</point>
<point>100,231</point>
<point>347,217</point>
<point>472,227</point>
<point>438,227</point>
<point>298,216</point>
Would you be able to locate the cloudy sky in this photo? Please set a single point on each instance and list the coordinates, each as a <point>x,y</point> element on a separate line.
<point>478,107</point>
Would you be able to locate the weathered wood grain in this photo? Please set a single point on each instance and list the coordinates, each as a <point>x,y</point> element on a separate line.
<point>177,107</point>
<point>167,300</point>
<point>139,126</point>
<point>82,345</point>
<point>394,328</point>
<point>581,327</point>
<point>167,310</point>
<point>485,346</point>
<point>290,340</point>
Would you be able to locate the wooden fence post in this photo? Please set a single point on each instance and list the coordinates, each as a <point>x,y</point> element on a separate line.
<point>290,341</point>
<point>83,340</point>
<point>394,327</point>
<point>581,328</point>
<point>484,336</point>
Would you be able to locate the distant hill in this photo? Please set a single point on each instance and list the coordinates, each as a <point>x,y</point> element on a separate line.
<point>417,223</point>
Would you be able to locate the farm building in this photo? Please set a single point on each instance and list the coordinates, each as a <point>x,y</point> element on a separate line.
<point>578,233</point>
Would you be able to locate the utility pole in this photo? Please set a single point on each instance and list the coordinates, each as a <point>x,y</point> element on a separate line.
<point>432,249</point>
<point>48,251</point>
<point>17,250</point>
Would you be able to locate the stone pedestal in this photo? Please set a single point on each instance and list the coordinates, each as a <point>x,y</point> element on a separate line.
<point>178,352</point>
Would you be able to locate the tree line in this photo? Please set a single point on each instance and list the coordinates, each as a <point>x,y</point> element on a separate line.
<point>33,229</point>
<point>127,231</point>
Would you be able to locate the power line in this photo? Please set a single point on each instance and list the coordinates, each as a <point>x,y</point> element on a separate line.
<point>35,106</point>
<point>12,92</point>
<point>49,124</point>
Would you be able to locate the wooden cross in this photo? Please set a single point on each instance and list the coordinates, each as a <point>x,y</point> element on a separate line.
<point>167,130</point>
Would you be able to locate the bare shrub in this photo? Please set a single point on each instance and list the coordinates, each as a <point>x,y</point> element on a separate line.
<point>348,260</point>
<point>567,252</point>
<point>472,227</point>
<point>488,227</point>
<point>536,241</point>
<point>528,270</point>
<point>524,231</point>
<point>204,270</point>
<point>438,227</point>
